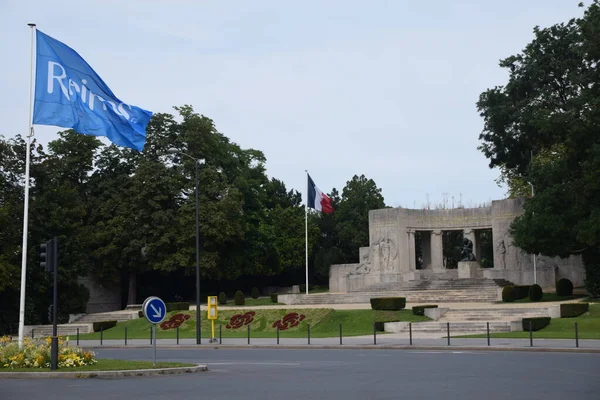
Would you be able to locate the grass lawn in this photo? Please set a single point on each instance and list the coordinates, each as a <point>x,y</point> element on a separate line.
<point>562,328</point>
<point>324,322</point>
<point>105,365</point>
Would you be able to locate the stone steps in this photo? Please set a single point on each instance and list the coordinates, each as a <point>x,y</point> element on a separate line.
<point>442,327</point>
<point>40,331</point>
<point>491,314</point>
<point>423,297</point>
<point>109,316</point>
<point>447,284</point>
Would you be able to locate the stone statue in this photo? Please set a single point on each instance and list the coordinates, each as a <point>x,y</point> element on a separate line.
<point>467,252</point>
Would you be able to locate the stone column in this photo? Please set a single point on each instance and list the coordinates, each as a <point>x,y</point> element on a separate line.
<point>412,262</point>
<point>437,255</point>
<point>470,234</point>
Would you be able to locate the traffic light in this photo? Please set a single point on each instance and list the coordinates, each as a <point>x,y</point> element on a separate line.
<point>46,256</point>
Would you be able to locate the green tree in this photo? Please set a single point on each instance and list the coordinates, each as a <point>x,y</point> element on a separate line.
<point>542,128</point>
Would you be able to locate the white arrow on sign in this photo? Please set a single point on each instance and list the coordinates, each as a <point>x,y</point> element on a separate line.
<point>157,313</point>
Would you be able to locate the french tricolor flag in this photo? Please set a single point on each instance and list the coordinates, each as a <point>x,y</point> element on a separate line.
<point>318,200</point>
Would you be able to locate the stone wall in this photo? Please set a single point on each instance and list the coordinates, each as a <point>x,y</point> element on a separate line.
<point>104,295</point>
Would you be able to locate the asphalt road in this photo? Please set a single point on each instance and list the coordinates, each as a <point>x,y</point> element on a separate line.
<point>336,374</point>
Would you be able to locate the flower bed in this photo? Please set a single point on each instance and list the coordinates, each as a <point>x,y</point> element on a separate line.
<point>290,320</point>
<point>239,320</point>
<point>36,354</point>
<point>174,322</point>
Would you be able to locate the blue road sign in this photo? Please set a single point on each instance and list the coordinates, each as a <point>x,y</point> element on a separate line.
<point>154,309</point>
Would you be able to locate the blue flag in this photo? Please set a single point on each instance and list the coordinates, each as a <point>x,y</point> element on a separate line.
<point>68,93</point>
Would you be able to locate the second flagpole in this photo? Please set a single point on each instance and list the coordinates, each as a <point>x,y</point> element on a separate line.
<point>306,229</point>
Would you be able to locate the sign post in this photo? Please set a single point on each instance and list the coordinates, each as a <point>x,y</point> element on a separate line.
<point>213,313</point>
<point>155,311</point>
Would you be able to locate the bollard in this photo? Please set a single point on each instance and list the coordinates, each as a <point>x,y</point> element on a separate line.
<point>77,336</point>
<point>576,335</point>
<point>177,333</point>
<point>277,334</point>
<point>410,332</point>
<point>125,336</point>
<point>488,333</point>
<point>32,333</point>
<point>101,334</point>
<point>448,330</point>
<point>308,326</point>
<point>340,334</point>
<point>374,333</point>
<point>248,334</point>
<point>220,334</point>
<point>531,333</point>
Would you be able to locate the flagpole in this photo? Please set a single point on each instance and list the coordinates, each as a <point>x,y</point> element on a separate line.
<point>306,230</point>
<point>26,195</point>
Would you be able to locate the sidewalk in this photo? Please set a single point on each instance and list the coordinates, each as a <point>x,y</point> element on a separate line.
<point>360,342</point>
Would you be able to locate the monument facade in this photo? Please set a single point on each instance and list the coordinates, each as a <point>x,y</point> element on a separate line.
<point>390,261</point>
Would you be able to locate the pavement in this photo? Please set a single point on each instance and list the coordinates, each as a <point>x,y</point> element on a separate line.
<point>354,374</point>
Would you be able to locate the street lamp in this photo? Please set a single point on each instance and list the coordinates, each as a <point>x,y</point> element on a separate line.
<point>197,162</point>
<point>534,258</point>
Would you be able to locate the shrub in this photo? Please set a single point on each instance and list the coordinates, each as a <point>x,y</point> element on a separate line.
<point>239,299</point>
<point>571,310</point>
<point>535,293</point>
<point>509,294</point>
<point>388,303</point>
<point>255,293</point>
<point>521,291</point>
<point>140,314</point>
<point>564,287</point>
<point>273,297</point>
<point>103,325</point>
<point>592,279</point>
<point>379,326</point>
<point>177,306</point>
<point>36,354</point>
<point>420,310</point>
<point>222,298</point>
<point>537,323</point>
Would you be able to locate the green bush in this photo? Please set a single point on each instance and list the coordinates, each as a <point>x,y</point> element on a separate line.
<point>420,310</point>
<point>537,323</point>
<point>388,303</point>
<point>177,306</point>
<point>103,325</point>
<point>535,293</point>
<point>239,299</point>
<point>379,326</point>
<point>222,298</point>
<point>521,291</point>
<point>273,297</point>
<point>255,293</point>
<point>564,287</point>
<point>571,310</point>
<point>509,294</point>
<point>592,279</point>
<point>140,314</point>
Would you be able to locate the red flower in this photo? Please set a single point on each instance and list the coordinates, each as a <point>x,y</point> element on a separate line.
<point>175,321</point>
<point>290,320</point>
<point>239,320</point>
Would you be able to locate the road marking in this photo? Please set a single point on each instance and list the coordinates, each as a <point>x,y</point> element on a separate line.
<point>250,363</point>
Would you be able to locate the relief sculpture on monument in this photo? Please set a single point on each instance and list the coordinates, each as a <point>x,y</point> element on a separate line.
<point>380,258</point>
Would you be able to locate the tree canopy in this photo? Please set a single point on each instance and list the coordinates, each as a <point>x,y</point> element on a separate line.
<point>542,129</point>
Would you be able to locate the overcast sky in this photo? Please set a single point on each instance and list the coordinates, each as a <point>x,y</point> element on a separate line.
<point>381,88</point>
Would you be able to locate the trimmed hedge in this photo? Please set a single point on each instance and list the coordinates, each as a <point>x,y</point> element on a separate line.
<point>509,294</point>
<point>274,298</point>
<point>379,325</point>
<point>255,293</point>
<point>535,293</point>
<point>571,310</point>
<point>140,314</point>
<point>222,298</point>
<point>103,325</point>
<point>564,287</point>
<point>537,323</point>
<point>522,291</point>
<point>420,310</point>
<point>177,306</point>
<point>388,303</point>
<point>239,299</point>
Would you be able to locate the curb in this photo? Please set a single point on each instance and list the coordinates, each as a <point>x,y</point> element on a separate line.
<point>361,347</point>
<point>103,374</point>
